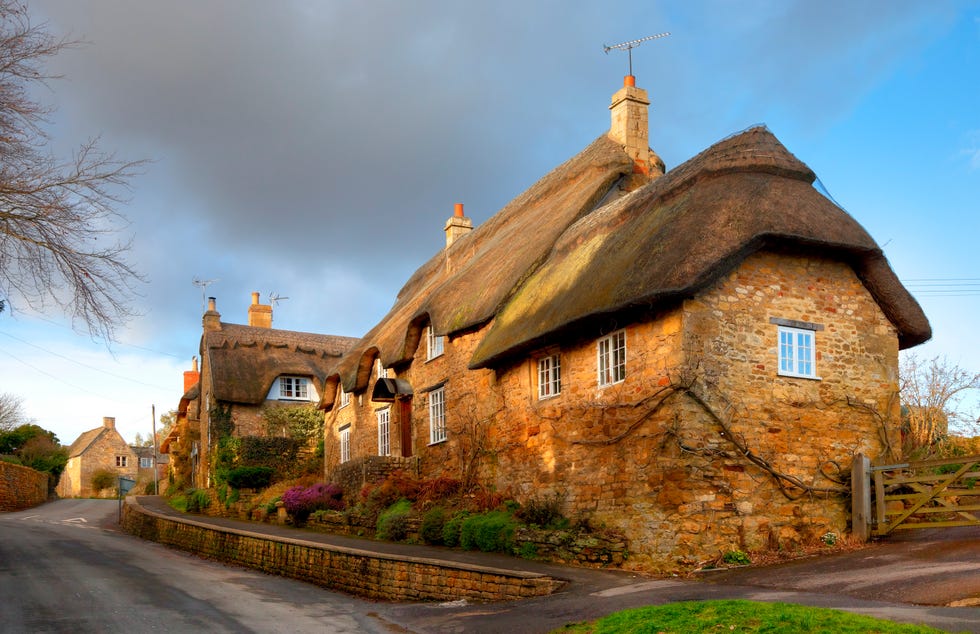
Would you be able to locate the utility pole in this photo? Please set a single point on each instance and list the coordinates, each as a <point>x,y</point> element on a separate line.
<point>156,472</point>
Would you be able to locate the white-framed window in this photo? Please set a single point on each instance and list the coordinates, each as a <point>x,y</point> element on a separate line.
<point>797,352</point>
<point>384,431</point>
<point>345,443</point>
<point>380,371</point>
<point>344,397</point>
<point>122,461</point>
<point>611,358</point>
<point>435,344</point>
<point>549,376</point>
<point>146,463</point>
<point>296,388</point>
<point>437,415</point>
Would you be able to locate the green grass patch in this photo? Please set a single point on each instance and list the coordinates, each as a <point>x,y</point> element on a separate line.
<point>740,616</point>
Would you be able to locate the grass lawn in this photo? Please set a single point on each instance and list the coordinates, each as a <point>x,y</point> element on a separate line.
<point>740,616</point>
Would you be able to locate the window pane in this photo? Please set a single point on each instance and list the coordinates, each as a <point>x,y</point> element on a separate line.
<point>437,415</point>
<point>384,436</point>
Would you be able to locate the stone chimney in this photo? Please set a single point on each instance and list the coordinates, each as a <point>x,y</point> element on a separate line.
<point>192,376</point>
<point>259,315</point>
<point>109,422</point>
<point>630,128</point>
<point>212,318</point>
<point>457,226</point>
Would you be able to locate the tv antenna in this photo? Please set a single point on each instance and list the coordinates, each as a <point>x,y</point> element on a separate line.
<point>203,285</point>
<point>274,298</point>
<point>629,46</point>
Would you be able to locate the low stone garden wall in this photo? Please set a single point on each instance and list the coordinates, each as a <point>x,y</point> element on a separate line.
<point>363,573</point>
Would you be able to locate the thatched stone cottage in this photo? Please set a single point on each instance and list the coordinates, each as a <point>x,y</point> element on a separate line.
<point>691,357</point>
<point>245,368</point>
<point>99,449</point>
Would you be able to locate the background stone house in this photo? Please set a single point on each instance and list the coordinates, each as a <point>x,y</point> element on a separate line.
<point>245,368</point>
<point>692,356</point>
<point>94,450</point>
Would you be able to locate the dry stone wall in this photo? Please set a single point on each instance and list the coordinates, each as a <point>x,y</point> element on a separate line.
<point>366,574</point>
<point>21,487</point>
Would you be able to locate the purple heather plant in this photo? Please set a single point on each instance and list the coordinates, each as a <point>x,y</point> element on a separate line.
<point>300,501</point>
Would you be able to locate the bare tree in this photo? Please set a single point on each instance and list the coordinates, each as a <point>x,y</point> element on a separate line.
<point>932,392</point>
<point>58,218</point>
<point>12,412</point>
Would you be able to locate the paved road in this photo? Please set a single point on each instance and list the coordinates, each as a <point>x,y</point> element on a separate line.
<point>65,567</point>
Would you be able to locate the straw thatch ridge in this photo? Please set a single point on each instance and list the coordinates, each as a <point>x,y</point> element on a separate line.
<point>462,287</point>
<point>680,233</point>
<point>244,361</point>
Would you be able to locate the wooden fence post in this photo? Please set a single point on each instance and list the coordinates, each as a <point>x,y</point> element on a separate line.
<point>860,496</point>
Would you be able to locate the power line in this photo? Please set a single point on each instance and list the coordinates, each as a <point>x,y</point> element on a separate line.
<point>84,365</point>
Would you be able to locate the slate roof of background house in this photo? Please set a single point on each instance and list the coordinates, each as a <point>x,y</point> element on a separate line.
<point>489,262</point>
<point>680,233</point>
<point>245,360</point>
<point>83,441</point>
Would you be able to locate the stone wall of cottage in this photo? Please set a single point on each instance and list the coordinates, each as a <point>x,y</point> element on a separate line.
<point>21,487</point>
<point>668,475</point>
<point>76,481</point>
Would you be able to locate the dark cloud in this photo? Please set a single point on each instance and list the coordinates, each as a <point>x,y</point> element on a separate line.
<point>315,149</point>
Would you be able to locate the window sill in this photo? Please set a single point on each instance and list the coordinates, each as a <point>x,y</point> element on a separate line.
<point>605,385</point>
<point>799,376</point>
<point>437,442</point>
<point>549,397</point>
<point>438,356</point>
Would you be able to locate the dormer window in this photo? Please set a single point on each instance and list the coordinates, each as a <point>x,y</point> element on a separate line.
<point>294,388</point>
<point>344,397</point>
<point>380,371</point>
<point>435,344</point>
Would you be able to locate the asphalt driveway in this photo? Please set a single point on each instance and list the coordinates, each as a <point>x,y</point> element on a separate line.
<point>926,567</point>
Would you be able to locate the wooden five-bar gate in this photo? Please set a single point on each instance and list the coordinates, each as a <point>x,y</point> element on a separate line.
<point>923,494</point>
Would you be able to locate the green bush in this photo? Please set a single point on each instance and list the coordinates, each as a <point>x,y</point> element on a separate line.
<point>489,532</point>
<point>197,500</point>
<point>103,479</point>
<point>393,521</point>
<point>433,524</point>
<point>250,477</point>
<point>452,529</point>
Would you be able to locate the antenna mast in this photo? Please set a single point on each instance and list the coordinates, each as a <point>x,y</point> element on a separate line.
<point>203,285</point>
<point>629,46</point>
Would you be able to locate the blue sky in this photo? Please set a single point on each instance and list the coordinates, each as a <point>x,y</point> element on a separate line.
<point>316,149</point>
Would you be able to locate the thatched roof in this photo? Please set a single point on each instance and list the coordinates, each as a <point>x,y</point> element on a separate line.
<point>245,360</point>
<point>682,232</point>
<point>463,286</point>
<point>574,248</point>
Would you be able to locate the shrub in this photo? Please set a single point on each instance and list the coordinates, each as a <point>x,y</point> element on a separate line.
<point>489,532</point>
<point>452,529</point>
<point>437,489</point>
<point>393,522</point>
<point>433,524</point>
<point>395,487</point>
<point>544,511</point>
<point>103,479</point>
<point>250,477</point>
<point>301,501</point>
<point>736,557</point>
